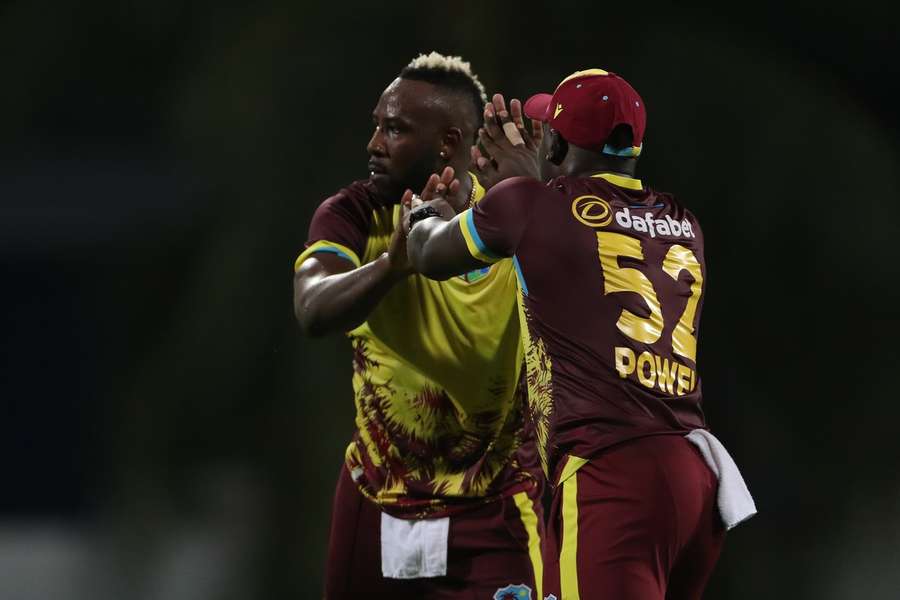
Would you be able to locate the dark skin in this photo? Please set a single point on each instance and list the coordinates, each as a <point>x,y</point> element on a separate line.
<point>419,129</point>
<point>436,246</point>
<point>522,157</point>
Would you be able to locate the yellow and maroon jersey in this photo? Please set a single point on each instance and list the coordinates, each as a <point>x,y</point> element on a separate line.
<point>612,279</point>
<point>440,401</point>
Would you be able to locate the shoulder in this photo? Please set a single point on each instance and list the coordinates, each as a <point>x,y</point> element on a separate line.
<point>676,210</point>
<point>359,196</point>
<point>515,185</point>
<point>353,205</point>
<point>514,189</point>
<point>675,207</point>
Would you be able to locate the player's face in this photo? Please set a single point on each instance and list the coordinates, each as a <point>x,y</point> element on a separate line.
<point>405,147</point>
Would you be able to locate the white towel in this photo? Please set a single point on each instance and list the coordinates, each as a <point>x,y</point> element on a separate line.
<point>735,502</point>
<point>413,548</point>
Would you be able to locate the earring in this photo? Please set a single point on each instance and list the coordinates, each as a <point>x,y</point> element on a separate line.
<point>443,154</point>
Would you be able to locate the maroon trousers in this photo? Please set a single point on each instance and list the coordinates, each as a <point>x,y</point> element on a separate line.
<point>637,522</point>
<point>492,547</point>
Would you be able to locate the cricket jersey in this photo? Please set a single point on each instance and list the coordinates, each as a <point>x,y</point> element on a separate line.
<point>612,279</point>
<point>440,401</point>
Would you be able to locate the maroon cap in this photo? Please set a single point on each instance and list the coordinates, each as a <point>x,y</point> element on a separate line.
<point>587,106</point>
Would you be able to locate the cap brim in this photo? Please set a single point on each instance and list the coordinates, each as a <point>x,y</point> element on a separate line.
<point>537,107</point>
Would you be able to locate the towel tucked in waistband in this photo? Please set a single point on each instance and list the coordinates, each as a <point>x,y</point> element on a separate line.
<point>735,502</point>
<point>413,548</point>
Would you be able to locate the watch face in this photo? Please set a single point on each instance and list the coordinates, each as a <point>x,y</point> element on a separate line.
<point>422,213</point>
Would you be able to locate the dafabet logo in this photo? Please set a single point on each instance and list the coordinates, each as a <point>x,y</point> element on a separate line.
<point>593,211</point>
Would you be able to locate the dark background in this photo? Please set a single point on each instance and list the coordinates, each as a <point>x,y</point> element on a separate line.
<point>166,433</point>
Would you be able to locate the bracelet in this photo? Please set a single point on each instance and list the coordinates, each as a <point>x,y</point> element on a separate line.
<point>420,214</point>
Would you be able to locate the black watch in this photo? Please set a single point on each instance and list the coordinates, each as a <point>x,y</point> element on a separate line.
<point>421,214</point>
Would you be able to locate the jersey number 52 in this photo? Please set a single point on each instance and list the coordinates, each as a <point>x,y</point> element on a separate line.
<point>648,330</point>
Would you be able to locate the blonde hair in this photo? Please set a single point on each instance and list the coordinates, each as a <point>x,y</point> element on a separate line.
<point>435,61</point>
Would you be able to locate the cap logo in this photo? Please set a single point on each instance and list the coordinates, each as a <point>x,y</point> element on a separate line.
<point>558,110</point>
<point>592,211</point>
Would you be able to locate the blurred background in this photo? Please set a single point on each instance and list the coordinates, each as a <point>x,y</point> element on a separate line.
<point>166,433</point>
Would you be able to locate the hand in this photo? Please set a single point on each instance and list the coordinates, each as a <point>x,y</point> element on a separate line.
<point>510,150</point>
<point>397,257</point>
<point>440,193</point>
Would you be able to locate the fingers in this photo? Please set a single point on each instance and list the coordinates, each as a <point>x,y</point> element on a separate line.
<point>407,199</point>
<point>518,117</point>
<point>430,188</point>
<point>447,186</point>
<point>480,161</point>
<point>445,189</point>
<point>447,176</point>
<point>491,124</point>
<point>515,112</point>
<point>510,130</point>
<point>537,132</point>
<point>499,105</point>
<point>407,203</point>
<point>513,134</point>
<point>487,142</point>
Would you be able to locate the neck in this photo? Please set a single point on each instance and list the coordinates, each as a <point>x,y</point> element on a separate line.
<point>584,163</point>
<point>461,200</point>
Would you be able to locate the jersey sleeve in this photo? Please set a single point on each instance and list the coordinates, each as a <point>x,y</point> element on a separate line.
<point>494,227</point>
<point>339,226</point>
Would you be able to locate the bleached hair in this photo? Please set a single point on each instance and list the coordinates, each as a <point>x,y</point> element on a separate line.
<point>435,61</point>
<point>452,73</point>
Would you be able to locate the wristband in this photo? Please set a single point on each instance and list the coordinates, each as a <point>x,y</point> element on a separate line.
<point>421,214</point>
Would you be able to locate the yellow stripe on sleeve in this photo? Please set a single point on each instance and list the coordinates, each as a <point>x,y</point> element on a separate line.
<point>568,565</point>
<point>530,521</point>
<point>473,240</point>
<point>326,246</point>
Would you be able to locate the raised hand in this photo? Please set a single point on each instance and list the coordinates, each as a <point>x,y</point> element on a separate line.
<point>397,256</point>
<point>533,141</point>
<point>438,197</point>
<point>509,149</point>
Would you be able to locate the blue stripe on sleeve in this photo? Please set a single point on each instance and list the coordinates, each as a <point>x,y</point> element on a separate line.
<point>340,253</point>
<point>470,225</point>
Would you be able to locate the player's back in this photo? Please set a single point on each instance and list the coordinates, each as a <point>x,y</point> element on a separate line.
<point>612,280</point>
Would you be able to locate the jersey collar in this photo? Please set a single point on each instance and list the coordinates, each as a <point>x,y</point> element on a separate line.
<point>621,181</point>
<point>477,188</point>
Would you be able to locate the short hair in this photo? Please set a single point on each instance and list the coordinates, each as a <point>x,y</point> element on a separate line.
<point>450,72</point>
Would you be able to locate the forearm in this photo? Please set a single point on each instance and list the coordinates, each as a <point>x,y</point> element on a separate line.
<point>437,251</point>
<point>420,247</point>
<point>342,301</point>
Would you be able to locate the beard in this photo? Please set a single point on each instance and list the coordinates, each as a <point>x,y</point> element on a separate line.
<point>391,185</point>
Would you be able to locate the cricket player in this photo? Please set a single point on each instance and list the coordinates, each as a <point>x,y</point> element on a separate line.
<point>439,493</point>
<point>612,278</point>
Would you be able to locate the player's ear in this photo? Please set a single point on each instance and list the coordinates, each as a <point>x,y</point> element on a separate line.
<point>450,142</point>
<point>559,148</point>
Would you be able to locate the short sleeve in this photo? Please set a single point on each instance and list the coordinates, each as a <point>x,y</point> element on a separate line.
<point>494,227</point>
<point>340,226</point>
